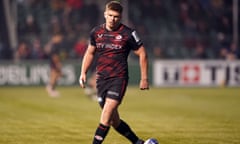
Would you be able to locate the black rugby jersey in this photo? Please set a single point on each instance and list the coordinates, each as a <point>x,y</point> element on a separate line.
<point>112,48</point>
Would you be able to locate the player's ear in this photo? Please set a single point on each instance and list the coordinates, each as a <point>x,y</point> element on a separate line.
<point>105,14</point>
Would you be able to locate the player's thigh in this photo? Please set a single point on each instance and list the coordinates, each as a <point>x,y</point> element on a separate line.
<point>108,111</point>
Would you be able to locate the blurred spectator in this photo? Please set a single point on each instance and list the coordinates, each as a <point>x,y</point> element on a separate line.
<point>37,50</point>
<point>80,47</point>
<point>73,13</point>
<point>229,52</point>
<point>224,25</point>
<point>158,53</point>
<point>23,52</point>
<point>57,6</point>
<point>75,4</point>
<point>223,53</point>
<point>30,29</point>
<point>200,52</point>
<point>234,51</point>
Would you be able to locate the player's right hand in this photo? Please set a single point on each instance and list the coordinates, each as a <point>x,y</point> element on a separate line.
<point>82,81</point>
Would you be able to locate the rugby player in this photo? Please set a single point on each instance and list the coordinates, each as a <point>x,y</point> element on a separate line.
<point>112,42</point>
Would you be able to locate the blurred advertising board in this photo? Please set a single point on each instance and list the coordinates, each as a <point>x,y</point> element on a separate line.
<point>34,73</point>
<point>191,73</point>
<point>28,74</point>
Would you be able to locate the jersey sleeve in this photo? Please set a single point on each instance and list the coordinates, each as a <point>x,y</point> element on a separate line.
<point>135,41</point>
<point>91,38</point>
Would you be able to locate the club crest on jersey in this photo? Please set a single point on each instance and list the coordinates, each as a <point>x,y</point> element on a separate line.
<point>118,37</point>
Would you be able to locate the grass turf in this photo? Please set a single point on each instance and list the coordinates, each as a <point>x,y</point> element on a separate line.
<point>172,115</point>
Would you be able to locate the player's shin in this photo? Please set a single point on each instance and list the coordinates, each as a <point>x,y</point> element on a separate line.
<point>126,131</point>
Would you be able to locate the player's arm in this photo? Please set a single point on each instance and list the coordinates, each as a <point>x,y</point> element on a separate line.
<point>87,60</point>
<point>143,62</point>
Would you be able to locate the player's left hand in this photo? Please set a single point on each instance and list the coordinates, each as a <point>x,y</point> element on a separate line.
<point>144,85</point>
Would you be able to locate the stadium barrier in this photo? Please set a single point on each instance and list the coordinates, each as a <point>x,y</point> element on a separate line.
<point>163,73</point>
<point>34,73</point>
<point>193,73</point>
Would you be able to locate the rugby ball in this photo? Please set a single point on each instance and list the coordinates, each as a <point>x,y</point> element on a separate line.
<point>151,141</point>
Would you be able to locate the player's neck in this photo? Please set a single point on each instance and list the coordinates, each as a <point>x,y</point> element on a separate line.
<point>112,28</point>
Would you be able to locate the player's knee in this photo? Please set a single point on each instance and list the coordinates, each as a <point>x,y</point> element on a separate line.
<point>115,123</point>
<point>105,122</point>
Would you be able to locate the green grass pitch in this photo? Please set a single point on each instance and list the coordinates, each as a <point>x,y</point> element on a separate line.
<point>171,115</point>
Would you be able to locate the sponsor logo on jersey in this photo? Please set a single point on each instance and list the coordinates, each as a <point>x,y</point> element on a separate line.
<point>109,46</point>
<point>100,35</point>
<point>108,35</point>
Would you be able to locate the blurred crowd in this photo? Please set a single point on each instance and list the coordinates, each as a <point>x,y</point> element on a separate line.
<point>187,29</point>
<point>170,29</point>
<point>44,26</point>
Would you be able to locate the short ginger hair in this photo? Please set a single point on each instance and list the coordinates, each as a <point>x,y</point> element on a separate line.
<point>115,6</point>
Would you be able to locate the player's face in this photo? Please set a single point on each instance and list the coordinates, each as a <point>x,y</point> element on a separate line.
<point>112,18</point>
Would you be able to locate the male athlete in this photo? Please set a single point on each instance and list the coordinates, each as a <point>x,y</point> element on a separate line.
<point>55,64</point>
<point>112,42</point>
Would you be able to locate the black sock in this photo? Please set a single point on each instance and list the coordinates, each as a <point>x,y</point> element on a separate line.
<point>126,131</point>
<point>100,134</point>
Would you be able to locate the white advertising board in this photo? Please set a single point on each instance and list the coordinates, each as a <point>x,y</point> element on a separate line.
<point>184,73</point>
<point>13,74</point>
